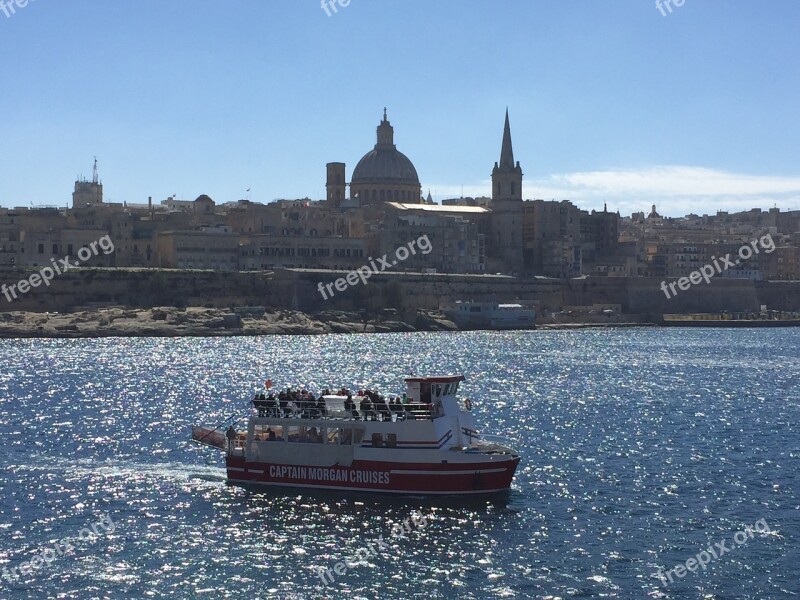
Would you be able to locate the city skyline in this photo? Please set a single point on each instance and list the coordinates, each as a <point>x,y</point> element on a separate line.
<point>261,98</point>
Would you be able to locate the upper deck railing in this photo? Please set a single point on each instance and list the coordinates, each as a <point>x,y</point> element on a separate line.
<point>332,408</point>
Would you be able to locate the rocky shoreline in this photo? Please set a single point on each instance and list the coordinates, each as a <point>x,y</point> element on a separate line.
<point>216,322</point>
<point>210,322</point>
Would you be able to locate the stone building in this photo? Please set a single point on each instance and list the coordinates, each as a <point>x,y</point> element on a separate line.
<point>456,235</point>
<point>214,248</point>
<point>88,193</point>
<point>267,252</point>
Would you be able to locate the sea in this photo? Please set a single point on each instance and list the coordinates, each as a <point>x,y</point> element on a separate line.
<point>656,463</point>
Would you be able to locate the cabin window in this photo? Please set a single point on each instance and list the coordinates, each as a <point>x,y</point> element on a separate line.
<point>305,435</point>
<point>268,433</point>
<point>425,393</point>
<point>342,436</point>
<point>377,440</point>
<point>315,435</point>
<point>358,435</point>
<point>391,440</point>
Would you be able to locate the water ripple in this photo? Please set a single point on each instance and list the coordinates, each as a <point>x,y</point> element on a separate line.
<point>640,449</point>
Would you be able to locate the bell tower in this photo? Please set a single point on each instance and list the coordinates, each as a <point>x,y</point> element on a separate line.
<point>335,183</point>
<point>505,239</point>
<point>506,175</point>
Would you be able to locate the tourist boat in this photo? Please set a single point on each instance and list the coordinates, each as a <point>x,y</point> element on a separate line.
<point>491,315</point>
<point>426,445</point>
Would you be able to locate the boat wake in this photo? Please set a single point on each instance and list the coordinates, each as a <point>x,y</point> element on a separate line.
<point>129,470</point>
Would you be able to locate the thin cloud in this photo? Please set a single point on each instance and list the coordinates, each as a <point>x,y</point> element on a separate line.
<point>675,189</point>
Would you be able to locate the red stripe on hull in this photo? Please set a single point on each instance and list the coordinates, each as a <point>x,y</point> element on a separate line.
<point>384,477</point>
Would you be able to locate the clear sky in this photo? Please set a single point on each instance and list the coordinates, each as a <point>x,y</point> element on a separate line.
<point>610,101</point>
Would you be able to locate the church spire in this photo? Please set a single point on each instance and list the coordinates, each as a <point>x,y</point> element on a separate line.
<point>507,175</point>
<point>507,152</point>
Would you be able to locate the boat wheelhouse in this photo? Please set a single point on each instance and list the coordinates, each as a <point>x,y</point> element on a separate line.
<point>427,444</point>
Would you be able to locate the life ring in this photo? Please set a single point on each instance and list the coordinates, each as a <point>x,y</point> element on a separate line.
<point>468,404</point>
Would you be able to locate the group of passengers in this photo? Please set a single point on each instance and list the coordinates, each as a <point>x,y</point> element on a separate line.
<point>289,401</point>
<point>366,404</point>
<point>369,405</point>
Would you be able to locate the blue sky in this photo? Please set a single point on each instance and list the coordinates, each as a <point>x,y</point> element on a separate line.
<point>610,101</point>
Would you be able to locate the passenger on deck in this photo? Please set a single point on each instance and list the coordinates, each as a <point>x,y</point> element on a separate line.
<point>283,402</point>
<point>305,407</point>
<point>321,409</point>
<point>272,405</point>
<point>350,406</point>
<point>230,434</point>
<point>383,408</point>
<point>260,404</point>
<point>367,408</point>
<point>295,408</point>
<point>270,435</point>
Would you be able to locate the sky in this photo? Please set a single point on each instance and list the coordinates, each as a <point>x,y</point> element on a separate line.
<point>693,110</point>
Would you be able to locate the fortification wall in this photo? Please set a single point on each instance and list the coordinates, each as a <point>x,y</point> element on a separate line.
<point>299,290</point>
<point>139,288</point>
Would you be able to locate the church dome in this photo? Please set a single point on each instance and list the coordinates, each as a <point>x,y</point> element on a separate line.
<point>385,164</point>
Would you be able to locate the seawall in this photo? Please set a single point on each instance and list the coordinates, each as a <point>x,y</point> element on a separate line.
<point>300,290</point>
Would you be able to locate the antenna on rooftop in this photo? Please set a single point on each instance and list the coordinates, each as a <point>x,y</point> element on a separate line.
<point>95,178</point>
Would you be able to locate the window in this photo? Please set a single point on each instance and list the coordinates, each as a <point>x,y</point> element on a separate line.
<point>41,248</point>
<point>55,248</point>
<point>358,435</point>
<point>341,436</point>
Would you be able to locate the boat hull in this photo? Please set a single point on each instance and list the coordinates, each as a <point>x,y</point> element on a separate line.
<point>492,475</point>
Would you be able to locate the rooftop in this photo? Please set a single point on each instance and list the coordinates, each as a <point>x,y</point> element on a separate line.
<point>439,208</point>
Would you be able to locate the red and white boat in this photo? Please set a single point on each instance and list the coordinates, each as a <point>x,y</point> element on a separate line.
<point>426,445</point>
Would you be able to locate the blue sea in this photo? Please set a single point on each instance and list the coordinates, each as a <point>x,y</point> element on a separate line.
<point>641,449</point>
